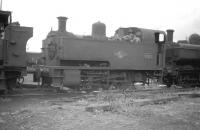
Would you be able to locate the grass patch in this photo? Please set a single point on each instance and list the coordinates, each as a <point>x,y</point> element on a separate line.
<point>130,103</point>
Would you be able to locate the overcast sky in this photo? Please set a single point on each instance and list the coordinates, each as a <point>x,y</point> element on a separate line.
<point>181,15</point>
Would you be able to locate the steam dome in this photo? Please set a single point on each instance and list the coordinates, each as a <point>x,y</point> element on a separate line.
<point>194,39</point>
<point>99,30</point>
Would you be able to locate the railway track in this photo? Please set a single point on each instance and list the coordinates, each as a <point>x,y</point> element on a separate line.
<point>163,90</point>
<point>51,91</point>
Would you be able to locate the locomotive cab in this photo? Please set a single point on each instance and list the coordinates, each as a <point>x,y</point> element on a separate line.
<point>5,20</point>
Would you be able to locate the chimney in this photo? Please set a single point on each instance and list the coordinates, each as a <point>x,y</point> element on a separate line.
<point>62,24</point>
<point>170,35</point>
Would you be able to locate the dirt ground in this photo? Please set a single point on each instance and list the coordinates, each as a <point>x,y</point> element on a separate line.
<point>46,109</point>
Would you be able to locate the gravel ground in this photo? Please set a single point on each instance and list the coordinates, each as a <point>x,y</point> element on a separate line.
<point>45,109</point>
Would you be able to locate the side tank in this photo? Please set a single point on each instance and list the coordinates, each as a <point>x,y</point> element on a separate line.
<point>15,41</point>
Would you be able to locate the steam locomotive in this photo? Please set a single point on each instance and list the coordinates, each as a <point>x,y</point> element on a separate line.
<point>131,55</point>
<point>13,39</point>
<point>182,66</point>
